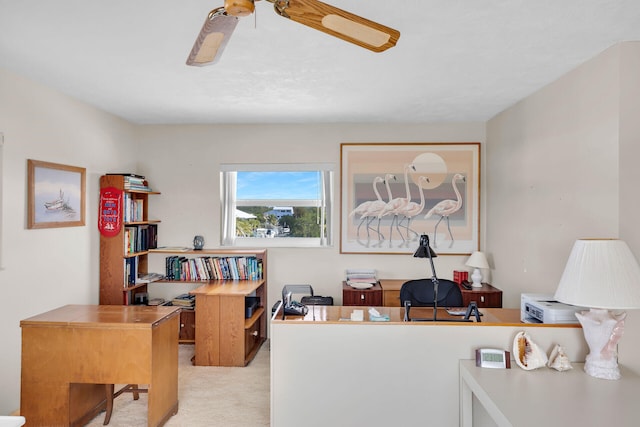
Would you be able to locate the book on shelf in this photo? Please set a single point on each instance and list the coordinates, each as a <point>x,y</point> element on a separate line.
<point>130,271</point>
<point>150,277</point>
<point>172,249</point>
<point>213,268</point>
<point>128,174</point>
<point>133,209</point>
<point>184,300</point>
<point>135,182</point>
<point>140,238</point>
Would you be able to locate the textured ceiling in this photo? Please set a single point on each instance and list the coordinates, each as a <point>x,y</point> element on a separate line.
<point>461,60</point>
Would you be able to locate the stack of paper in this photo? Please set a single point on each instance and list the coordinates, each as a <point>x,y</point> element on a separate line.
<point>361,278</point>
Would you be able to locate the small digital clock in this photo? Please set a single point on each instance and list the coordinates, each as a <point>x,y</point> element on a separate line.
<point>493,358</point>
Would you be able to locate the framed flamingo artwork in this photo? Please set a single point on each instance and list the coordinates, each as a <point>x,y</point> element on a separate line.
<point>56,195</point>
<point>391,193</point>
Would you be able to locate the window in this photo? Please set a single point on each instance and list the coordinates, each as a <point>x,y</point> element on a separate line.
<point>276,205</point>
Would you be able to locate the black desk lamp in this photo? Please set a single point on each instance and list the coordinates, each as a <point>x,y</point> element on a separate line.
<point>425,251</point>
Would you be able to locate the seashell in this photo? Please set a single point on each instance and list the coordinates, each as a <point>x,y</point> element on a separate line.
<point>558,360</point>
<point>527,353</point>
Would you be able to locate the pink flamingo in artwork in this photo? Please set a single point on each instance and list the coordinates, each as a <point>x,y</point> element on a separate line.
<point>412,209</point>
<point>446,208</point>
<point>374,209</point>
<point>362,207</point>
<point>396,205</point>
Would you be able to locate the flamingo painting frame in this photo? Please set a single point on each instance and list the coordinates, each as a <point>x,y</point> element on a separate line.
<point>56,195</point>
<point>391,193</point>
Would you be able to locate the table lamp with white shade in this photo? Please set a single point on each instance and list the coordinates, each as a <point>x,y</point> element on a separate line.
<point>604,275</point>
<point>477,260</point>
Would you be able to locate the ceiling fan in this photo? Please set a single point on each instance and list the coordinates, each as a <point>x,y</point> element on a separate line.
<point>221,22</point>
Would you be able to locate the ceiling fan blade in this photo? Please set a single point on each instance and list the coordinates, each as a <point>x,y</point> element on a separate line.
<point>213,38</point>
<point>339,23</point>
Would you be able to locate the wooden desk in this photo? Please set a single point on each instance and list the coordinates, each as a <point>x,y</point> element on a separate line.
<point>487,296</point>
<point>391,291</point>
<point>223,336</point>
<point>328,314</point>
<point>515,397</point>
<point>69,353</point>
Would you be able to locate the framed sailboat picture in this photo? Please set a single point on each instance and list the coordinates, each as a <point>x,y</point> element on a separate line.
<point>392,193</point>
<point>56,195</point>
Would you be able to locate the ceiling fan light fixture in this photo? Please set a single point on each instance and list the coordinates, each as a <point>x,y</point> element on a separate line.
<point>355,30</point>
<point>239,7</point>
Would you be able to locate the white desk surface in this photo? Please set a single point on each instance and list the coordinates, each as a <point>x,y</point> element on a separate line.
<point>546,397</point>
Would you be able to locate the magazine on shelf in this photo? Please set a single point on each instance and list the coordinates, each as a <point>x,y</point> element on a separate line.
<point>361,278</point>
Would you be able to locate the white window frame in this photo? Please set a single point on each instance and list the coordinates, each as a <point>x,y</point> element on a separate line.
<point>228,204</point>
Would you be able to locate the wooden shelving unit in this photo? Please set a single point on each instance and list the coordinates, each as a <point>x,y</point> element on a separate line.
<point>218,327</point>
<point>223,335</point>
<point>112,250</point>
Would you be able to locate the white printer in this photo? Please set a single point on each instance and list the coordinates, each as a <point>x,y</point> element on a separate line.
<point>542,308</point>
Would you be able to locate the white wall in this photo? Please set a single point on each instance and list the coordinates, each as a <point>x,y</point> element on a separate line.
<point>552,171</point>
<point>390,375</point>
<point>629,147</point>
<point>45,268</point>
<point>188,178</point>
<point>562,165</point>
<point>629,176</point>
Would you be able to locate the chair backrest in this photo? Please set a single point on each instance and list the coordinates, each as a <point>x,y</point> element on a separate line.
<point>296,289</point>
<point>419,293</point>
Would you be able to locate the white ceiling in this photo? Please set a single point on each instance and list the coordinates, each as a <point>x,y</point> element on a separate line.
<point>463,60</point>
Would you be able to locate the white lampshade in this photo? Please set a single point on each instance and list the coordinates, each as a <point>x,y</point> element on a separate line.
<point>600,273</point>
<point>477,260</point>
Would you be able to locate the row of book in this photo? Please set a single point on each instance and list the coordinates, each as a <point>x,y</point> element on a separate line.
<point>460,276</point>
<point>133,208</point>
<point>213,268</point>
<point>130,271</point>
<point>140,238</point>
<point>136,182</point>
<point>184,300</point>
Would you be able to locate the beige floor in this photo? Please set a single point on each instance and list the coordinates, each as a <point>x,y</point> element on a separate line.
<point>208,396</point>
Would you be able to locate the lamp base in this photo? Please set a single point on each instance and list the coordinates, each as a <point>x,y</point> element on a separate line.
<point>476,277</point>
<point>602,331</point>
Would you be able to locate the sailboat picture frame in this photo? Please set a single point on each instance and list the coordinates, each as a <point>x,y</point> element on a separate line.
<point>56,195</point>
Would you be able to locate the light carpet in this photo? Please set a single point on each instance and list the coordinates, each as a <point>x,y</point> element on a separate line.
<point>207,395</point>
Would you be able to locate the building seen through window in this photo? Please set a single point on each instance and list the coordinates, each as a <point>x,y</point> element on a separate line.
<point>288,204</point>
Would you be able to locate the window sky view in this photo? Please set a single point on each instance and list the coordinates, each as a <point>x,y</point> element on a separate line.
<point>278,185</point>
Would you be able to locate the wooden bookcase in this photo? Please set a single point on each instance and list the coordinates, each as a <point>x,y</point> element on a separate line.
<point>114,289</point>
<point>224,336</point>
<point>218,327</point>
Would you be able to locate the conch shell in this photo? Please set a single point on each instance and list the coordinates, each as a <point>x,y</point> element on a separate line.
<point>558,360</point>
<point>527,353</point>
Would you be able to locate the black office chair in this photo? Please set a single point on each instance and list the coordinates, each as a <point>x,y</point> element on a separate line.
<point>419,293</point>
